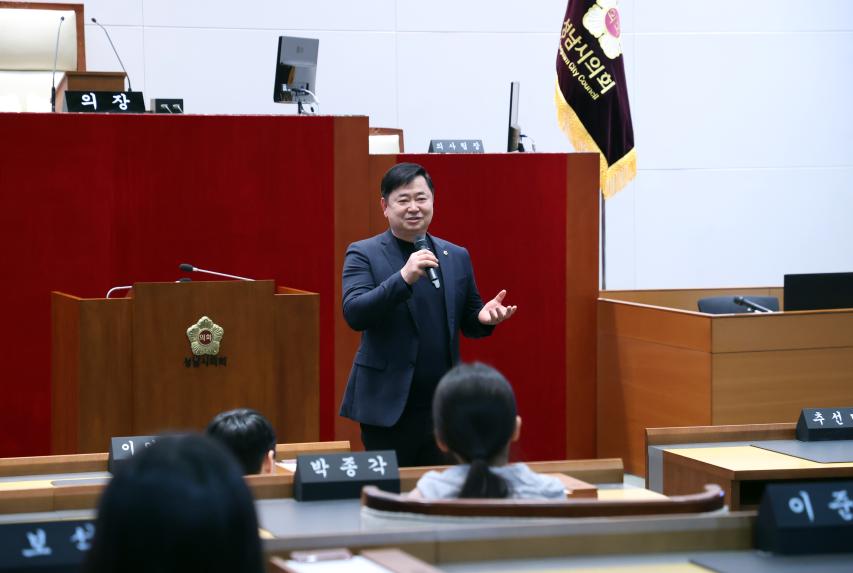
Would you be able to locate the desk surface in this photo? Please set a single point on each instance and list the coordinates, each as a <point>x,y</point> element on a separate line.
<point>724,561</point>
<point>750,459</point>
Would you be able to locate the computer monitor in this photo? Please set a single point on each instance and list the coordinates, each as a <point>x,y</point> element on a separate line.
<point>514,132</point>
<point>296,70</point>
<point>818,291</point>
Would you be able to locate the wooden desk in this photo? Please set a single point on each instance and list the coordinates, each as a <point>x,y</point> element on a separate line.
<point>88,82</point>
<point>61,493</point>
<point>663,364</point>
<point>742,471</point>
<point>724,455</point>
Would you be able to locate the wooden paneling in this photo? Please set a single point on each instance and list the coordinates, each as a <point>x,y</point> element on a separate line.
<point>766,387</point>
<point>642,385</point>
<point>43,496</point>
<point>88,81</point>
<point>65,372</point>
<point>120,365</point>
<point>657,325</point>
<point>742,471</point>
<point>581,280</point>
<point>685,299</point>
<point>297,359</point>
<point>169,395</point>
<point>682,475</point>
<point>790,330</point>
<point>106,355</point>
<point>91,373</point>
<point>353,207</point>
<point>728,433</point>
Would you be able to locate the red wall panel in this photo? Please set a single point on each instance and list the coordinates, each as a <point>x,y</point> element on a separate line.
<point>89,202</point>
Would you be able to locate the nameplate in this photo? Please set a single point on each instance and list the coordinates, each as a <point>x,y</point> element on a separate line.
<point>124,448</point>
<point>818,424</point>
<point>45,546</point>
<point>341,476</point>
<point>806,517</point>
<point>104,102</point>
<point>456,146</point>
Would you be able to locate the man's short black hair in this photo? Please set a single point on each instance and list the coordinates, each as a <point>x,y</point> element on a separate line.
<point>401,175</point>
<point>247,434</point>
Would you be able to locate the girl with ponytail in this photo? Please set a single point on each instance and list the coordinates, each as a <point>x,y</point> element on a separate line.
<point>475,421</point>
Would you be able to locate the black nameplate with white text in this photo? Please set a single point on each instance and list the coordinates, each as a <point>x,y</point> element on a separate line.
<point>456,146</point>
<point>45,546</point>
<point>818,424</point>
<point>806,517</point>
<point>104,102</point>
<point>341,476</point>
<point>124,448</point>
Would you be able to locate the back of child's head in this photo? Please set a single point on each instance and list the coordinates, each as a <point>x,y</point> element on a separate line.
<point>247,434</point>
<point>180,505</point>
<point>475,417</point>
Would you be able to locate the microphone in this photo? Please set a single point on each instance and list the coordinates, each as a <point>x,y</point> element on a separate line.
<point>188,268</point>
<point>110,40</point>
<point>420,244</point>
<point>115,288</point>
<point>753,306</point>
<point>55,57</point>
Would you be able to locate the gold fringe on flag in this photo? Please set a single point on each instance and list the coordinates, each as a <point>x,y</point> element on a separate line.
<point>613,178</point>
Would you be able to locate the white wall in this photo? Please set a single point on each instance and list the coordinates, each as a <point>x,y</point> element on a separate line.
<point>743,126</point>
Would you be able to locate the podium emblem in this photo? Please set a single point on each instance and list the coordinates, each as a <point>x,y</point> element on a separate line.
<point>205,336</point>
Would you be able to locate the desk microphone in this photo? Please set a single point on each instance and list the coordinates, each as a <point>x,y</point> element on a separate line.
<point>420,244</point>
<point>55,57</point>
<point>188,268</point>
<point>110,40</point>
<point>741,301</point>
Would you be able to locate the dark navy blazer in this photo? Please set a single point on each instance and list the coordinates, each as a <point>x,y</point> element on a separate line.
<point>377,302</point>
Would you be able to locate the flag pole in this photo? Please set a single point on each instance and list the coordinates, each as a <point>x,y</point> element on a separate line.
<point>602,208</point>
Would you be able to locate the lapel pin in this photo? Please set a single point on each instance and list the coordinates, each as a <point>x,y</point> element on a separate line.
<point>445,253</point>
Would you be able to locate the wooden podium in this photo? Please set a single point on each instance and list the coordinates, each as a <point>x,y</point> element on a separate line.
<point>663,364</point>
<point>124,367</point>
<point>88,81</point>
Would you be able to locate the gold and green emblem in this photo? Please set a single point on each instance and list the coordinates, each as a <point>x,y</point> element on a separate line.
<point>205,336</point>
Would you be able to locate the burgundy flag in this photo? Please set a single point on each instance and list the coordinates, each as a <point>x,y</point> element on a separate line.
<point>592,96</point>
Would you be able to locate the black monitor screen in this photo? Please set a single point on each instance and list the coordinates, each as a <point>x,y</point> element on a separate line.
<point>296,68</point>
<point>818,291</point>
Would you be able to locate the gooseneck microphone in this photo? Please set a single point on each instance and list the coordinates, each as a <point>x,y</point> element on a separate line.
<point>754,306</point>
<point>110,40</point>
<point>420,244</point>
<point>55,57</point>
<point>188,268</point>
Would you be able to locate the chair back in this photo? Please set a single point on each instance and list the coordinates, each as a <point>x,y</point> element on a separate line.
<point>375,499</point>
<point>726,304</point>
<point>385,141</point>
<point>28,43</point>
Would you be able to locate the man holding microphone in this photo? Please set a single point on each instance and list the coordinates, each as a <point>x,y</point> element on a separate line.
<point>410,327</point>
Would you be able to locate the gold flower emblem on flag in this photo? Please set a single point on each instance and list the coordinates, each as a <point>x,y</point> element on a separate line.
<point>205,336</point>
<point>602,21</point>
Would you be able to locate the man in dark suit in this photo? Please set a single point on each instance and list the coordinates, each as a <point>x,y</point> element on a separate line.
<point>410,327</point>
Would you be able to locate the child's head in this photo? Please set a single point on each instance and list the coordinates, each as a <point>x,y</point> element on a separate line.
<point>180,505</point>
<point>249,436</point>
<point>475,419</point>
